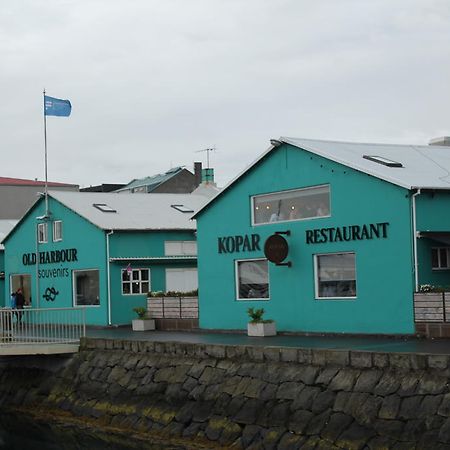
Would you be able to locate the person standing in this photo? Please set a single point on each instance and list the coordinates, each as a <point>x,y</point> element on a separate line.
<point>20,301</point>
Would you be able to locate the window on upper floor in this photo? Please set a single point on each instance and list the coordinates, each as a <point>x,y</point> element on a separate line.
<point>57,230</point>
<point>298,204</point>
<point>180,248</point>
<point>42,231</point>
<point>440,258</point>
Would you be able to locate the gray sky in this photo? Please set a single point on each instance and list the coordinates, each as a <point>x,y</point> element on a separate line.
<point>151,82</point>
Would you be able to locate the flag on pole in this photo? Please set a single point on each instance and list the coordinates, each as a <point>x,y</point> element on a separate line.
<point>129,270</point>
<point>56,107</point>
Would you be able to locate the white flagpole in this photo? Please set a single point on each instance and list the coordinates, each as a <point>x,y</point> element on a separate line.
<point>45,144</point>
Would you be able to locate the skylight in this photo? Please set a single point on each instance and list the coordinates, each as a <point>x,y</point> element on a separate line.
<point>182,208</point>
<point>382,160</point>
<point>104,207</point>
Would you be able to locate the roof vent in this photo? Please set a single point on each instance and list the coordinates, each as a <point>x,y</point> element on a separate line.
<point>382,160</point>
<point>182,208</point>
<point>444,140</point>
<point>104,207</point>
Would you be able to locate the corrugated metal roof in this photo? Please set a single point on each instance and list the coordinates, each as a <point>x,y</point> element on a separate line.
<point>5,227</point>
<point>424,166</point>
<point>133,212</point>
<point>151,182</point>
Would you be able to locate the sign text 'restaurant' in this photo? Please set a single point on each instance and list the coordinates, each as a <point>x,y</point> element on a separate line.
<point>347,233</point>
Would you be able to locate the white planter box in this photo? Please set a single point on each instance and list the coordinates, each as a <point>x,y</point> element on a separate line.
<point>262,329</point>
<point>143,324</point>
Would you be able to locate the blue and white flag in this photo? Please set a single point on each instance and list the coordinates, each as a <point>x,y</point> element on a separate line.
<point>56,107</point>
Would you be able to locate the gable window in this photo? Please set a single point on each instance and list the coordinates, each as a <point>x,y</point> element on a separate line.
<point>57,230</point>
<point>286,206</point>
<point>440,258</point>
<point>42,233</point>
<point>180,248</point>
<point>135,281</point>
<point>252,279</point>
<point>335,275</point>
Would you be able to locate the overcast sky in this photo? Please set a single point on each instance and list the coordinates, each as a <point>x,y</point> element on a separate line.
<point>152,82</point>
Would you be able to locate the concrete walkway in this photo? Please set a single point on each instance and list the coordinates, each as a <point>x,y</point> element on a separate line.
<point>375,344</point>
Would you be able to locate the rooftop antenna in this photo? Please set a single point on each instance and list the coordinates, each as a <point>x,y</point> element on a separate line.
<point>207,150</point>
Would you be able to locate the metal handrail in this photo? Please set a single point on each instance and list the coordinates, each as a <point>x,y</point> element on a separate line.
<point>42,326</point>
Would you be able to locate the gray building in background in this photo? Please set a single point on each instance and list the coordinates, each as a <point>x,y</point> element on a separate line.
<point>177,180</point>
<point>17,195</point>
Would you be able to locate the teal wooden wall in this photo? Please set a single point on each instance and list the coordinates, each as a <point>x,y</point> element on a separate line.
<point>385,281</point>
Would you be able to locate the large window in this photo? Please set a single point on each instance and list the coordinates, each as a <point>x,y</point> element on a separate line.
<point>181,280</point>
<point>42,233</point>
<point>335,275</point>
<point>252,279</point>
<point>440,258</point>
<point>57,230</point>
<point>86,287</point>
<point>291,205</point>
<point>180,248</point>
<point>135,281</point>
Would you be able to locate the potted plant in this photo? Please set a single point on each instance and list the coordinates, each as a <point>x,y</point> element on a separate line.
<point>259,326</point>
<point>143,322</point>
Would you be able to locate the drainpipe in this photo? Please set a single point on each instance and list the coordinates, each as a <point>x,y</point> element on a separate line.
<point>414,224</point>
<point>108,275</point>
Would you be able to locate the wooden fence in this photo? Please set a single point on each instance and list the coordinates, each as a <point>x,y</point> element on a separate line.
<point>173,307</point>
<point>432,307</point>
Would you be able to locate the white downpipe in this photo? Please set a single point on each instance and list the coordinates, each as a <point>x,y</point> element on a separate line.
<point>416,262</point>
<point>108,276</point>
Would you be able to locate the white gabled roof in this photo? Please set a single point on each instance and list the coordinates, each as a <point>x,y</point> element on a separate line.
<point>134,211</point>
<point>6,226</point>
<point>424,166</point>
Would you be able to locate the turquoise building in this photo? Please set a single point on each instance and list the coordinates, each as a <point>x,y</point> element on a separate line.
<point>103,251</point>
<point>327,237</point>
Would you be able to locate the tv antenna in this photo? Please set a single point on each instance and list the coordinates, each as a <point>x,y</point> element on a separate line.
<point>207,150</point>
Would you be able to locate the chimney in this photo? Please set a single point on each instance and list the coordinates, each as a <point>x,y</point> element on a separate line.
<point>444,140</point>
<point>198,173</point>
<point>208,176</point>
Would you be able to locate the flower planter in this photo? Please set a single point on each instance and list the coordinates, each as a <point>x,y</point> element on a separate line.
<point>143,324</point>
<point>261,329</point>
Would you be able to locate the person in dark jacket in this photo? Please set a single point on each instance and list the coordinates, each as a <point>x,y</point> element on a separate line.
<point>20,301</point>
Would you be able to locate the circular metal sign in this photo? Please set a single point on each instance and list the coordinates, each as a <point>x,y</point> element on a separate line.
<point>276,248</point>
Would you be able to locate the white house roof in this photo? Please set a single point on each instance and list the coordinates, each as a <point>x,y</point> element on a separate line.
<point>5,227</point>
<point>423,166</point>
<point>113,211</point>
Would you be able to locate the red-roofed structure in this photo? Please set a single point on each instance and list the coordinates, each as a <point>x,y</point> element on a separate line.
<point>6,181</point>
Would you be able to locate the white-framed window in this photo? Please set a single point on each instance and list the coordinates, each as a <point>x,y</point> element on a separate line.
<point>57,230</point>
<point>252,279</point>
<point>42,231</point>
<point>86,291</point>
<point>297,204</point>
<point>180,248</point>
<point>335,275</point>
<point>440,258</point>
<point>181,279</point>
<point>135,281</point>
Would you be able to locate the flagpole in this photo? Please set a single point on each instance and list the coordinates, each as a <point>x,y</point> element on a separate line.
<point>45,145</point>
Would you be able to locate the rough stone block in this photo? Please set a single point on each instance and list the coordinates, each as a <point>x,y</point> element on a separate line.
<point>392,429</point>
<point>380,360</point>
<point>248,412</point>
<point>212,375</point>
<point>389,407</point>
<point>367,380</point>
<point>290,441</point>
<point>306,397</point>
<point>216,351</point>
<point>271,354</point>
<point>444,408</point>
<point>438,361</point>
<point>304,355</point>
<point>418,361</point>
<point>339,358</point>
<point>344,380</point>
<point>336,425</point>
<point>307,374</point>
<point>289,390</point>
<point>299,421</point>
<point>388,384</point>
<point>235,351</point>
<point>271,437</point>
<point>361,360</point>
<point>317,424</point>
<point>255,353</point>
<point>250,434</point>
<point>319,356</point>
<point>324,400</point>
<point>355,437</point>
<point>255,388</point>
<point>432,384</point>
<point>288,354</point>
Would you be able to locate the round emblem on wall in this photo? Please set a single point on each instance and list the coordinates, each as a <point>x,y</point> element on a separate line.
<point>276,248</point>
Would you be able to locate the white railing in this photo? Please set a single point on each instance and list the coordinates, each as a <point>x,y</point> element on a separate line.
<point>42,326</point>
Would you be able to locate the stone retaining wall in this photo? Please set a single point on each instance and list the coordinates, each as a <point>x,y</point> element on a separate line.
<point>248,396</point>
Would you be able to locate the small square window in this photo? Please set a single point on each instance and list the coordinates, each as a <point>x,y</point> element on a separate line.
<point>57,230</point>
<point>440,258</point>
<point>252,279</point>
<point>42,233</point>
<point>135,281</point>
